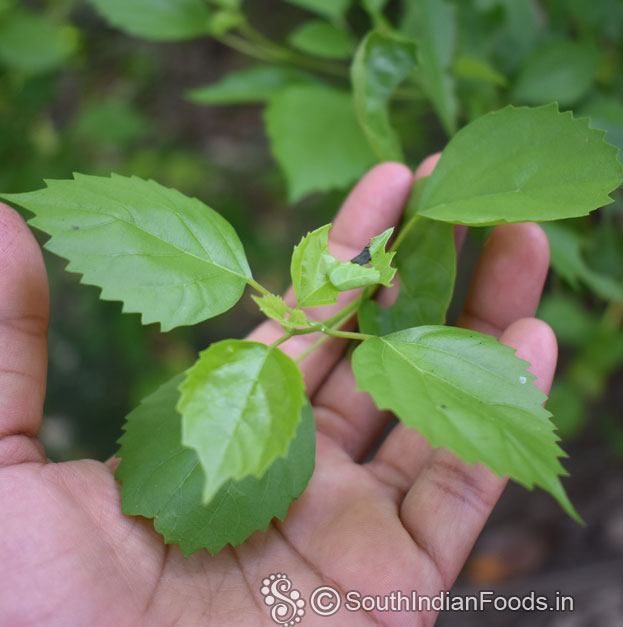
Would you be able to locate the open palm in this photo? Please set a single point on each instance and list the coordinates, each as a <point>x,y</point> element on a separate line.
<point>406,520</point>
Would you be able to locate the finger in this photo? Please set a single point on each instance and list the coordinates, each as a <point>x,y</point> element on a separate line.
<point>374,205</point>
<point>507,285</point>
<point>509,278</point>
<point>24,307</point>
<point>450,501</point>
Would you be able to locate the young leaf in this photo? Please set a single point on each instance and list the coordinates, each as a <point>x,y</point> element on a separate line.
<point>275,307</point>
<point>380,259</point>
<point>520,164</point>
<point>240,405</point>
<point>432,23</point>
<point>328,151</point>
<point>426,263</point>
<point>166,256</point>
<point>382,62</point>
<point>159,20</point>
<point>566,252</point>
<point>466,392</point>
<point>162,479</point>
<point>318,276</point>
<point>309,268</point>
<point>322,39</point>
<point>333,9</point>
<point>253,84</point>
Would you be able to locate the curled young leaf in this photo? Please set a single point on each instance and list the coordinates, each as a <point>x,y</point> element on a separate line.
<point>318,276</point>
<point>275,307</point>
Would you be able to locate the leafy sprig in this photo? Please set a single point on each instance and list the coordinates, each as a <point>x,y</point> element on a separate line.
<point>198,453</point>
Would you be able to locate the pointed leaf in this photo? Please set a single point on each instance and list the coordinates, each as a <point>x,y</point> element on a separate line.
<point>309,268</point>
<point>240,405</point>
<point>466,392</point>
<point>520,164</point>
<point>328,151</point>
<point>162,479</point>
<point>382,62</point>
<point>253,84</point>
<point>166,256</point>
<point>159,20</point>
<point>380,259</point>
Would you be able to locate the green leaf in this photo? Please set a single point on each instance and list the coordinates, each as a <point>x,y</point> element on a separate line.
<point>253,84</point>
<point>433,24</point>
<point>471,68</point>
<point>521,164</point>
<point>110,122</point>
<point>309,268</point>
<point>606,113</point>
<point>33,44</point>
<point>566,258</point>
<point>322,39</point>
<point>240,405</point>
<point>275,307</point>
<point>328,150</point>
<point>166,256</point>
<point>380,259</point>
<point>162,479</point>
<point>333,9</point>
<point>426,262</point>
<point>560,69</point>
<point>158,20</point>
<point>318,277</point>
<point>381,63</point>
<point>466,392</point>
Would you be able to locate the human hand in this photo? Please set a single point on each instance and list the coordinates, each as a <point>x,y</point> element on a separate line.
<point>406,520</point>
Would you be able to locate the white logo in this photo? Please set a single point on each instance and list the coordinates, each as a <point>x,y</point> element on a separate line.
<point>286,605</point>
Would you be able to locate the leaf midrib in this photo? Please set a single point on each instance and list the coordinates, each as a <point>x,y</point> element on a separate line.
<point>134,224</point>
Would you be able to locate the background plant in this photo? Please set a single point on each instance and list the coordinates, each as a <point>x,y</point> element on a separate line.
<point>492,53</point>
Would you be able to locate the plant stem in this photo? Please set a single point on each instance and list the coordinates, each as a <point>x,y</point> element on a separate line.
<point>258,287</point>
<point>342,313</point>
<point>281,340</point>
<point>266,50</point>
<point>403,232</point>
<point>310,349</point>
<point>350,335</point>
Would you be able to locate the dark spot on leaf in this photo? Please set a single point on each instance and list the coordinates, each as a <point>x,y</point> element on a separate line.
<point>363,257</point>
<point>75,228</point>
<point>443,407</point>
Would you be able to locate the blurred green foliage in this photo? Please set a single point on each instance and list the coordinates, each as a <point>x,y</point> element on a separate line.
<point>76,94</point>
